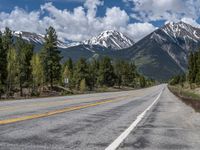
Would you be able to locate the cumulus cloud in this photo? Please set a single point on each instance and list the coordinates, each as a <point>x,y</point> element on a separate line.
<point>139,30</point>
<point>171,10</point>
<point>79,24</point>
<point>19,19</point>
<point>191,22</point>
<point>92,5</point>
<point>115,18</point>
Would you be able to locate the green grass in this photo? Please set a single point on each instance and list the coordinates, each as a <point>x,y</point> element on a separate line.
<point>188,96</point>
<point>184,93</point>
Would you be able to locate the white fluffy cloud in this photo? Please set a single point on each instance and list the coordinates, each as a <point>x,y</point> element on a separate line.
<point>77,25</point>
<point>171,10</point>
<point>92,5</point>
<point>191,22</point>
<point>138,30</point>
<point>115,18</point>
<point>19,19</point>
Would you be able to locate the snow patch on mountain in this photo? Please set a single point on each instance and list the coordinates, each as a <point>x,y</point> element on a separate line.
<point>180,30</point>
<point>178,39</point>
<point>39,39</point>
<point>110,39</point>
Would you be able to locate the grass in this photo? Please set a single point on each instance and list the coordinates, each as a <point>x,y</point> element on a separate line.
<point>187,93</point>
<point>188,96</point>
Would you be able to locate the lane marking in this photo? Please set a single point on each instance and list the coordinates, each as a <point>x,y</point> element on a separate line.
<point>35,116</point>
<point>116,143</point>
<point>56,103</point>
<point>43,103</point>
<point>67,109</point>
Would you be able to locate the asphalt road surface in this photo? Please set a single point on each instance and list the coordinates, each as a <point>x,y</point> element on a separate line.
<point>151,118</point>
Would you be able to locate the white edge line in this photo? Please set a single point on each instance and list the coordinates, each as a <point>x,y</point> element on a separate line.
<point>116,143</point>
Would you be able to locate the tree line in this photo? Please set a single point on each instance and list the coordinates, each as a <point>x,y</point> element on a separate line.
<point>89,75</point>
<point>192,76</point>
<point>22,70</point>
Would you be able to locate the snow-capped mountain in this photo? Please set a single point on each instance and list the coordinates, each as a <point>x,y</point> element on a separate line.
<point>183,31</point>
<point>178,40</point>
<point>160,55</point>
<point>39,39</point>
<point>164,52</point>
<point>28,36</point>
<point>110,39</point>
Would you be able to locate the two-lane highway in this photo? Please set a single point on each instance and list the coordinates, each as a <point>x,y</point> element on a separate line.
<point>150,118</point>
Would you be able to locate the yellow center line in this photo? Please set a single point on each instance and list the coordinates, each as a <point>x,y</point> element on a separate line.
<point>37,103</point>
<point>51,103</point>
<point>35,116</point>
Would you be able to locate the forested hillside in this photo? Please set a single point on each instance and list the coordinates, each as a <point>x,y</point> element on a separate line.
<point>25,72</point>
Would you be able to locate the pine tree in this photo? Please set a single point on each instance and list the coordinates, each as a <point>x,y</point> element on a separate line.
<point>3,70</point>
<point>133,74</point>
<point>6,42</point>
<point>7,39</point>
<point>195,68</point>
<point>69,63</point>
<point>51,57</point>
<point>118,72</point>
<point>106,73</point>
<point>12,69</point>
<point>125,73</point>
<point>37,72</point>
<point>127,77</point>
<point>197,78</point>
<point>142,82</point>
<point>81,72</point>
<point>24,53</point>
<point>191,68</point>
<point>1,89</point>
<point>93,73</point>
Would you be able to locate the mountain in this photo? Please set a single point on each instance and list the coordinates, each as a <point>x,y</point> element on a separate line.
<point>93,48</point>
<point>38,39</point>
<point>185,37</point>
<point>163,53</point>
<point>110,39</point>
<point>105,44</point>
<point>160,55</point>
<point>98,46</point>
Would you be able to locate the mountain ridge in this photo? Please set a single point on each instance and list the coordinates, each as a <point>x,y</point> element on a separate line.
<point>166,49</point>
<point>110,39</point>
<point>177,43</point>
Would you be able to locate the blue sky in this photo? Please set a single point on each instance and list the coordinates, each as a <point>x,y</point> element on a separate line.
<point>78,20</point>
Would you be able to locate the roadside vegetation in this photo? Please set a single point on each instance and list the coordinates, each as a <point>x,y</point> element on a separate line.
<point>26,72</point>
<point>187,86</point>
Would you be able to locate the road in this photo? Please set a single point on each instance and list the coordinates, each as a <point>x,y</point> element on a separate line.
<point>151,118</point>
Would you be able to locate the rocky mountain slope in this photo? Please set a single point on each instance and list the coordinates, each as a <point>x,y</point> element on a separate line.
<point>110,39</point>
<point>164,52</point>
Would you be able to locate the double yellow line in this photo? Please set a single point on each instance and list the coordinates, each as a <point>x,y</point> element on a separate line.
<point>35,116</point>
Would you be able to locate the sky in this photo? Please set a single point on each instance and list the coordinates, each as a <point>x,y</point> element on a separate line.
<point>78,20</point>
